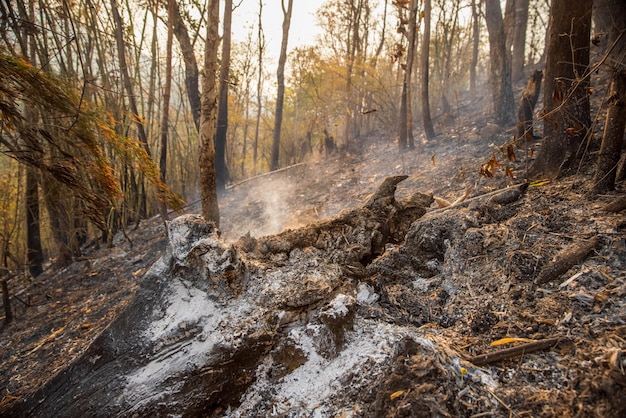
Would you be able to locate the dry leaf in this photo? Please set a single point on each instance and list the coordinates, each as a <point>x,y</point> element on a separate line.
<point>396,394</point>
<point>510,340</point>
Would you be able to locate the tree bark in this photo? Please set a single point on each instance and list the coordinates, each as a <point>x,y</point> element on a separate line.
<point>34,249</point>
<point>280,77</point>
<point>526,107</point>
<point>500,69</point>
<point>475,44</point>
<point>428,123</point>
<point>166,100</point>
<point>566,88</point>
<point>609,18</point>
<point>405,122</point>
<point>613,138</point>
<point>259,85</point>
<point>519,39</point>
<point>221,168</point>
<point>191,65</point>
<point>33,233</point>
<point>121,54</point>
<point>208,116</point>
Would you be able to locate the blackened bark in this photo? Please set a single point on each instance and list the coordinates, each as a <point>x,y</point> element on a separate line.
<point>221,168</point>
<point>526,107</point>
<point>613,138</point>
<point>191,65</point>
<point>475,44</point>
<point>33,233</point>
<point>519,39</point>
<point>500,68</point>
<point>566,88</point>
<point>406,125</point>
<point>280,76</point>
<point>428,123</point>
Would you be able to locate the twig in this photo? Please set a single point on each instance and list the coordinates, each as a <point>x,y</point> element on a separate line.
<point>482,196</point>
<point>501,402</point>
<point>269,173</point>
<point>484,359</point>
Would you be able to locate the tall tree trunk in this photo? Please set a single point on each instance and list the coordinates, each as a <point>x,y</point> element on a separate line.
<point>405,123</point>
<point>500,69</point>
<point>191,65</point>
<point>166,100</point>
<point>221,168</point>
<point>613,138</point>
<point>566,88</point>
<point>428,123</point>
<point>259,86</point>
<point>132,102</point>
<point>352,45</point>
<point>612,141</point>
<point>208,117</point>
<point>475,44</point>
<point>121,54</point>
<point>59,211</point>
<point>33,234</point>
<point>280,76</point>
<point>519,39</point>
<point>34,251</point>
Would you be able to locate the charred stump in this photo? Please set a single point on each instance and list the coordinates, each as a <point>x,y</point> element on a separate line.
<point>525,110</point>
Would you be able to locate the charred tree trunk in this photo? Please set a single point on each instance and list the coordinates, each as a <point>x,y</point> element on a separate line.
<point>259,84</point>
<point>500,68</point>
<point>526,107</point>
<point>166,101</point>
<point>280,77</point>
<point>191,65</point>
<point>613,138</point>
<point>33,232</point>
<point>128,86</point>
<point>6,301</point>
<point>610,25</point>
<point>519,40</point>
<point>566,88</point>
<point>221,168</point>
<point>475,44</point>
<point>406,137</point>
<point>428,122</point>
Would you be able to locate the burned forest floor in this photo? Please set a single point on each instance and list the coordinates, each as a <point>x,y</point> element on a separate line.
<point>545,266</point>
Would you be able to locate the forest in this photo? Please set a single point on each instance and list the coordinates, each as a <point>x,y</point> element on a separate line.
<point>145,139</point>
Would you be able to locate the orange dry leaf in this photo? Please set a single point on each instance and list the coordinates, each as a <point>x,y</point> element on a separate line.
<point>396,394</point>
<point>510,340</point>
<point>509,173</point>
<point>510,153</point>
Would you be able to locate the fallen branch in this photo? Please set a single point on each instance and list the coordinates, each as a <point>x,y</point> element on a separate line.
<point>501,196</point>
<point>566,259</point>
<point>269,173</point>
<point>519,350</point>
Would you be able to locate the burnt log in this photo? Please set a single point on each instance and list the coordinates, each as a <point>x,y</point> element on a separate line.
<point>209,316</point>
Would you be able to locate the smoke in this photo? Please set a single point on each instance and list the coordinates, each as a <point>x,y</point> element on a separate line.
<point>258,208</point>
<point>276,211</point>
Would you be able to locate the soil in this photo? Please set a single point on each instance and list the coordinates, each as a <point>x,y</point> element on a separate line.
<point>471,281</point>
